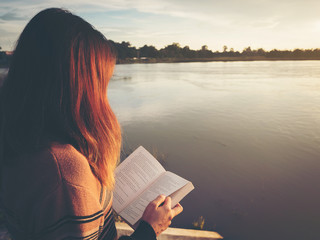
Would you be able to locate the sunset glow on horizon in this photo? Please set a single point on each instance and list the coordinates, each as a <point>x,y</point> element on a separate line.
<point>236,24</point>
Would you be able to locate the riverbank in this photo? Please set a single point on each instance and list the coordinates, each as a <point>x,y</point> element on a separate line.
<point>215,59</point>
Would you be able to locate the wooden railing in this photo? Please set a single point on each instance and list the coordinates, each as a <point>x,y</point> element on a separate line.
<point>173,233</point>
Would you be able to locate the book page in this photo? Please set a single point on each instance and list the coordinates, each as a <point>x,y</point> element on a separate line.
<point>166,184</point>
<point>178,195</point>
<point>133,175</point>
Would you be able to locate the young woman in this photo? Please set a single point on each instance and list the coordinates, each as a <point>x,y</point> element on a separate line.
<point>59,139</point>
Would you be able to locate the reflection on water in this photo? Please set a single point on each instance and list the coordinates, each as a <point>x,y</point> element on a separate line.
<point>247,134</point>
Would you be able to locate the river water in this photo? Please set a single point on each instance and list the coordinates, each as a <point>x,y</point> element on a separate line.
<point>247,134</point>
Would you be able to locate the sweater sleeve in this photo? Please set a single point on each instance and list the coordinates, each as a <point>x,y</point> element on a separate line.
<point>70,212</point>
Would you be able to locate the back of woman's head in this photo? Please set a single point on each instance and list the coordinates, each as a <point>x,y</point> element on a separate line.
<point>56,90</point>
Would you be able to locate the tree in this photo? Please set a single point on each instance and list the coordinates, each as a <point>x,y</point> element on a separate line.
<point>261,52</point>
<point>225,48</point>
<point>187,52</point>
<point>247,51</point>
<point>125,44</point>
<point>204,52</point>
<point>173,50</point>
<point>297,53</point>
<point>204,48</point>
<point>148,51</point>
<point>125,50</point>
<point>273,53</point>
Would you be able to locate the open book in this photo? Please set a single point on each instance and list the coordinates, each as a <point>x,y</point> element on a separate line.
<point>140,178</point>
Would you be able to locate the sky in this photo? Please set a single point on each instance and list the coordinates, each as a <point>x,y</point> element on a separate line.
<point>268,24</point>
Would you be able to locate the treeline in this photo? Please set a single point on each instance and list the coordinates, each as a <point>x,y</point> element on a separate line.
<point>4,58</point>
<point>126,51</point>
<point>174,52</point>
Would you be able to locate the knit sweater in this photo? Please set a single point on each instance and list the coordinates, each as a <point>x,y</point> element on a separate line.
<point>53,194</point>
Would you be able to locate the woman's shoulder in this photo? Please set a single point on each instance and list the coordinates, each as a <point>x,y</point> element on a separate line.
<point>44,171</point>
<point>73,166</point>
<point>56,188</point>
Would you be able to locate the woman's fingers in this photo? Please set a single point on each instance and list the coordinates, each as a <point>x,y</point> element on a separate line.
<point>177,209</point>
<point>157,202</point>
<point>159,213</point>
<point>167,202</point>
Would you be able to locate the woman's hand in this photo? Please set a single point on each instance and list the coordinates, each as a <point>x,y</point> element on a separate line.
<point>159,215</point>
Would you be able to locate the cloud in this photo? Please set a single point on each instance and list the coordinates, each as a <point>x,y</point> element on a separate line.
<point>9,16</point>
<point>177,19</point>
<point>215,12</point>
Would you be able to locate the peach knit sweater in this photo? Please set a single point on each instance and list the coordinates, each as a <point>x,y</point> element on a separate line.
<point>53,194</point>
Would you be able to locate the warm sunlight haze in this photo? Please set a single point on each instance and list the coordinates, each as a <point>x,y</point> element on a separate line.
<point>223,93</point>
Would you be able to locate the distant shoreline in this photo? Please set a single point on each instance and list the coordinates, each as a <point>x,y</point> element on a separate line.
<point>215,59</point>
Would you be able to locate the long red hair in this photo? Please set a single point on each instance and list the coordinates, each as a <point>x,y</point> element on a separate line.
<point>56,90</point>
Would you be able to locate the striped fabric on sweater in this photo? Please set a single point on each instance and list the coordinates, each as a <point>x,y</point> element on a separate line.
<point>53,194</point>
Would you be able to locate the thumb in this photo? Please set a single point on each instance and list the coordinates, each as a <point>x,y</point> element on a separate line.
<point>177,209</point>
